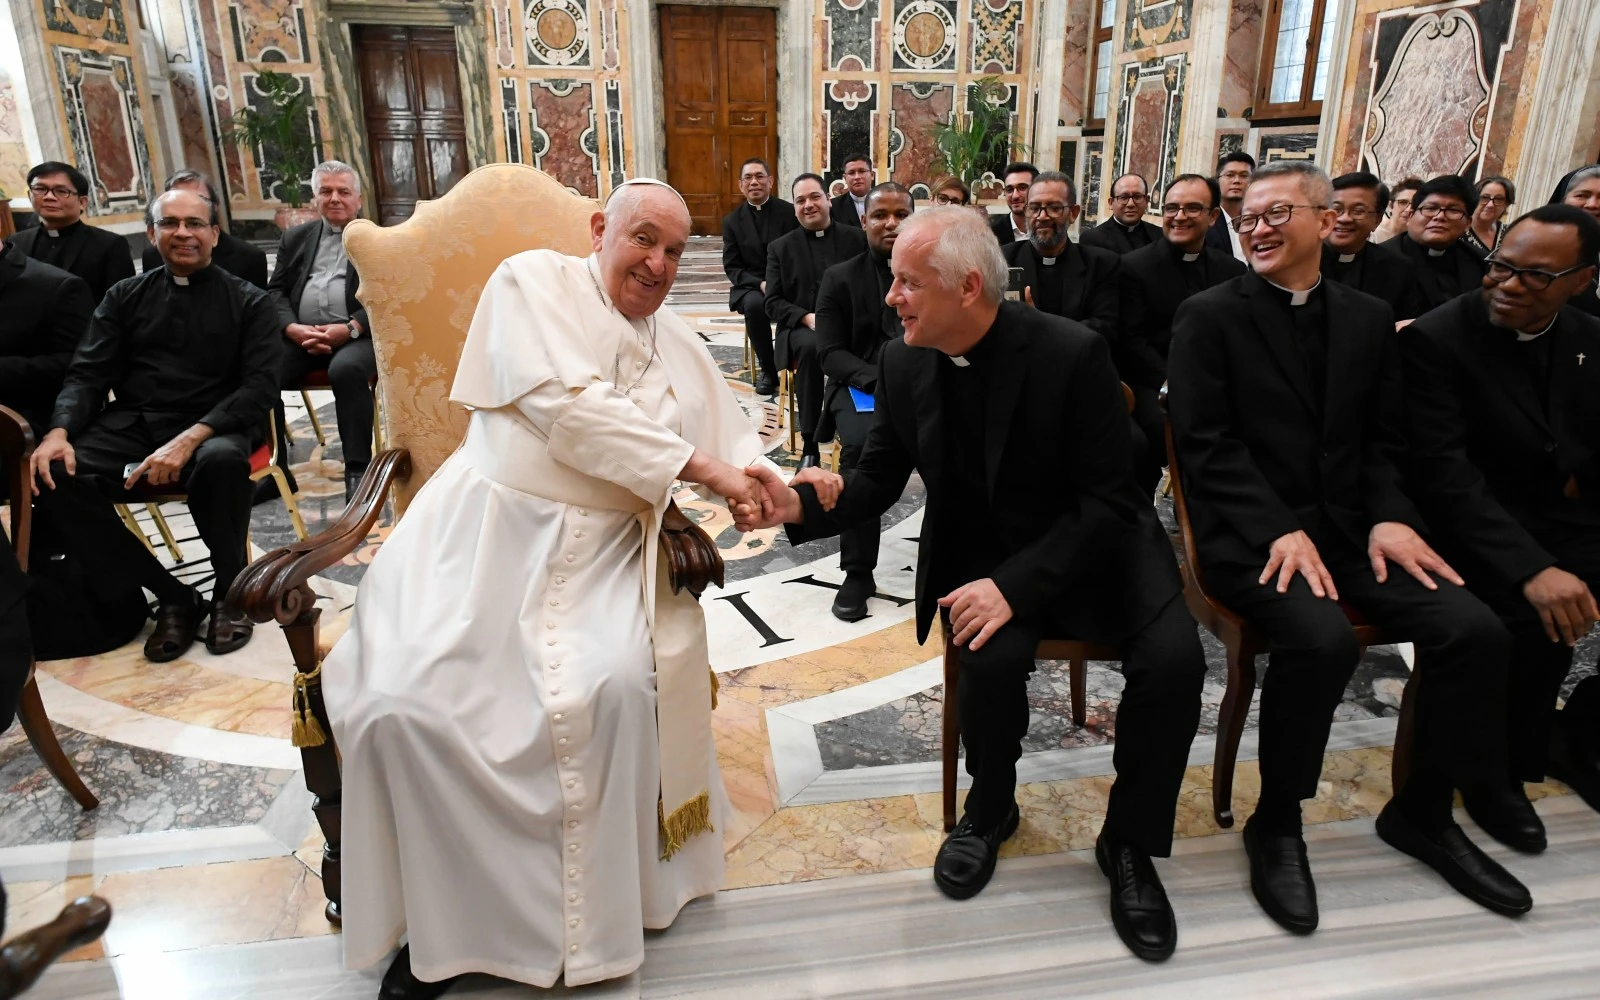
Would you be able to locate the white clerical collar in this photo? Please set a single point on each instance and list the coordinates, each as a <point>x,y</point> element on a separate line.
<point>54,234</point>
<point>1190,258</point>
<point>958,361</point>
<point>179,279</point>
<point>1523,338</point>
<point>1435,253</point>
<point>819,233</point>
<point>1347,258</point>
<point>1296,297</point>
<point>1125,226</point>
<point>860,202</point>
<point>1048,261</point>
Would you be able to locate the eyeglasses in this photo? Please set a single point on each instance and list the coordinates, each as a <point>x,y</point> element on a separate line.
<point>1533,279</point>
<point>948,199</point>
<point>1172,210</point>
<point>1454,213</point>
<point>1017,188</point>
<point>1277,215</point>
<point>1125,198</point>
<point>167,224</point>
<point>1356,212</point>
<point>40,190</point>
<point>1493,199</point>
<point>1054,209</point>
<point>753,177</point>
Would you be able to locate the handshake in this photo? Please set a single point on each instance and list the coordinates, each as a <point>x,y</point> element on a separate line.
<point>759,498</point>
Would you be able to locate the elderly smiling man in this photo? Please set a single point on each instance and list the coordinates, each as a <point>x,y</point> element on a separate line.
<point>520,696</point>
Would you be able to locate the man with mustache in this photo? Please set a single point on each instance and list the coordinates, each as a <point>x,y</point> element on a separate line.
<point>1288,422</point>
<point>1127,229</point>
<point>854,322</point>
<point>1058,276</point>
<point>1350,257</point>
<point>747,231</point>
<point>1445,266</point>
<point>1505,433</point>
<point>795,264</point>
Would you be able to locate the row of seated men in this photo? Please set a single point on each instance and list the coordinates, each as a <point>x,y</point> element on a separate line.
<point>1440,480</point>
<point>163,382</point>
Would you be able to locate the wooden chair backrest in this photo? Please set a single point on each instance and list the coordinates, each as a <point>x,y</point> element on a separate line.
<point>1207,610</point>
<point>420,282</point>
<point>16,452</point>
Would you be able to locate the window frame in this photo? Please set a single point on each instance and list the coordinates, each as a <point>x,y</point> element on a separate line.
<point>1267,110</point>
<point>1098,35</point>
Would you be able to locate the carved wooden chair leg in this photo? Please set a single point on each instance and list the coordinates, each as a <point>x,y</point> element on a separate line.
<point>1078,673</point>
<point>321,761</point>
<point>1405,733</point>
<point>951,738</point>
<point>311,411</point>
<point>1230,726</point>
<point>25,957</point>
<point>133,526</point>
<point>167,538</point>
<point>30,712</point>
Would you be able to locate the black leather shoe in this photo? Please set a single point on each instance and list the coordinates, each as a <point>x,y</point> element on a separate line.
<point>766,385</point>
<point>1570,766</point>
<point>1507,816</point>
<point>227,633</point>
<point>966,858</point>
<point>850,604</point>
<point>176,628</point>
<point>810,460</point>
<point>1280,877</point>
<point>1139,908</point>
<point>400,984</point>
<point>1470,871</point>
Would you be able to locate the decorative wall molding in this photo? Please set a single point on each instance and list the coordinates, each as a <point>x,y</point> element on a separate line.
<point>1559,131</point>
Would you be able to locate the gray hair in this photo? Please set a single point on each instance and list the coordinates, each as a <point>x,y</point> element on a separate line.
<point>963,243</point>
<point>152,211</point>
<point>327,167</point>
<point>1582,174</point>
<point>1057,177</point>
<point>625,197</point>
<point>1315,184</point>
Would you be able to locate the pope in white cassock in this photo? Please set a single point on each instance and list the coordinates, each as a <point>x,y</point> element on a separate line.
<point>523,706</point>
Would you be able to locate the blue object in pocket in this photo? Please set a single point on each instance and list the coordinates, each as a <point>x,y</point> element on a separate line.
<point>864,402</point>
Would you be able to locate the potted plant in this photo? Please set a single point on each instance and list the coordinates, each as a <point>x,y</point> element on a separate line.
<point>977,139</point>
<point>279,134</point>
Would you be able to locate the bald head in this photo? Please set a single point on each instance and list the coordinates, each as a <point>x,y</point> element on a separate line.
<point>637,195</point>
<point>638,240</point>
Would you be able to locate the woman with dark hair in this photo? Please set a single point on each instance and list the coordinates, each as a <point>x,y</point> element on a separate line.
<point>1581,189</point>
<point>1495,197</point>
<point>1401,194</point>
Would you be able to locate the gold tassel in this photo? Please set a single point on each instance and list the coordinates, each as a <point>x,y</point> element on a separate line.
<point>305,731</point>
<point>688,820</point>
<point>716,686</point>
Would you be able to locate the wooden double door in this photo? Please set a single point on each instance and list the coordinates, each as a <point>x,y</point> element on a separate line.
<point>416,127</point>
<point>719,74</point>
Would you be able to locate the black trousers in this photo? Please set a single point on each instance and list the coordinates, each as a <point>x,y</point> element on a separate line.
<point>758,329</point>
<point>858,545</point>
<point>807,381</point>
<point>1149,455</point>
<point>1164,668</point>
<point>217,481</point>
<point>16,646</point>
<point>350,369</point>
<point>1461,653</point>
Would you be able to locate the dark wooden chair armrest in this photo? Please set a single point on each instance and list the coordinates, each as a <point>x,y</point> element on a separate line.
<point>24,959</point>
<point>693,561</point>
<point>274,586</point>
<point>16,454</point>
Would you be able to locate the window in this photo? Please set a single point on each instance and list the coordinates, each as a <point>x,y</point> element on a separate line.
<point>1295,53</point>
<point>1100,62</point>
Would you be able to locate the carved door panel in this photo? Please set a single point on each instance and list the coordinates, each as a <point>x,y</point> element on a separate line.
<point>416,130</point>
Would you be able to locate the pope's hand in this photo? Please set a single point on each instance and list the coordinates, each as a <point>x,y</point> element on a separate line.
<point>779,503</point>
<point>827,484</point>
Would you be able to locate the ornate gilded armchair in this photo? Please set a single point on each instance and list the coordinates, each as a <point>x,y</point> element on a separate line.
<point>420,282</point>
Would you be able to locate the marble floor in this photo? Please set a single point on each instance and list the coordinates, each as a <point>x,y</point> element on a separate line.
<point>828,740</point>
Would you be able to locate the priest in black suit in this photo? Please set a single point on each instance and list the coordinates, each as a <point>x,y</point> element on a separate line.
<point>1503,394</point>
<point>1289,423</point>
<point>747,231</point>
<point>46,312</point>
<point>854,322</point>
<point>1446,267</point>
<point>1350,257</point>
<point>850,207</point>
<point>1059,276</point>
<point>1126,230</point>
<point>795,263</point>
<point>1155,281</point>
<point>232,254</point>
<point>1581,189</point>
<point>60,195</point>
<point>1012,225</point>
<point>1034,528</point>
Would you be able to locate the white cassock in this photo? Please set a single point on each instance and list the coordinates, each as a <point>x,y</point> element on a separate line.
<point>496,696</point>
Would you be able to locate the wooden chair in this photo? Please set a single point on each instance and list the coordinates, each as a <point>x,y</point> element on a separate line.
<point>25,957</point>
<point>1244,644</point>
<point>420,282</point>
<point>16,450</point>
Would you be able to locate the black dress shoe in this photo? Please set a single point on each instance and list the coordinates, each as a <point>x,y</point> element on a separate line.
<point>227,633</point>
<point>400,984</point>
<point>1139,908</point>
<point>966,858</point>
<point>810,460</point>
<point>1280,877</point>
<point>850,604</point>
<point>1470,871</point>
<point>1506,815</point>
<point>766,385</point>
<point>1570,766</point>
<point>177,624</point>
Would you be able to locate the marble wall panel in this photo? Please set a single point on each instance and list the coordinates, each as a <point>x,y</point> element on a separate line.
<point>850,119</point>
<point>273,187</point>
<point>219,90</point>
<point>1239,65</point>
<point>505,46</point>
<point>610,46</point>
<point>1075,63</point>
<point>1150,113</point>
<point>996,30</point>
<point>924,37</point>
<point>1148,23</point>
<point>913,110</point>
<point>105,126</point>
<point>99,20</point>
<point>1146,115</point>
<point>556,33</point>
<point>269,31</point>
<point>511,120</point>
<point>850,29</point>
<point>14,158</point>
<point>561,132</point>
<point>1429,112</point>
<point>616,149</point>
<point>1230,140</point>
<point>1093,166</point>
<point>1290,143</point>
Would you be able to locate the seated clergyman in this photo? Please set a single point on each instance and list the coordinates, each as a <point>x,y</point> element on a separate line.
<point>1034,528</point>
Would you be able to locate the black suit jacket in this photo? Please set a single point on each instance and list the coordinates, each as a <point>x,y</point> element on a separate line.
<point>1464,274</point>
<point>236,256</point>
<point>793,281</point>
<point>844,211</point>
<point>1587,300</point>
<point>1259,458</point>
<point>1110,235</point>
<point>1152,289</point>
<point>1090,279</point>
<point>1217,237</point>
<point>297,253</point>
<point>46,311</point>
<point>1083,551</point>
<point>1000,225</point>
<point>1492,467</point>
<point>1384,273</point>
<point>744,252</point>
<point>100,257</point>
<point>853,324</point>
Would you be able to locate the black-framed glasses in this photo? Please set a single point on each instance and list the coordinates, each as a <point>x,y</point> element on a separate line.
<point>40,190</point>
<point>1455,213</point>
<point>1493,199</point>
<point>1356,212</point>
<point>167,224</point>
<point>1534,279</point>
<point>1125,198</point>
<point>940,198</point>
<point>1053,209</point>
<point>1172,209</point>
<point>1277,215</point>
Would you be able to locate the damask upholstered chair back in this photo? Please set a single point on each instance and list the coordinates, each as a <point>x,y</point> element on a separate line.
<point>420,282</point>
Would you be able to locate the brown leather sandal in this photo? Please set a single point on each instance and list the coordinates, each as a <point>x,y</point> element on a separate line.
<point>176,628</point>
<point>226,632</point>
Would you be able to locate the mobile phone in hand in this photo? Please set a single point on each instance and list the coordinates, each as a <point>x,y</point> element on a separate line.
<point>1014,281</point>
<point>128,470</point>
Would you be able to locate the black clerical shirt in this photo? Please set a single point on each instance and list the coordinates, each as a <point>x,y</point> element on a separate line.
<point>177,351</point>
<point>1534,354</point>
<point>1138,236</point>
<point>963,397</point>
<point>1050,292</point>
<point>1196,272</point>
<point>51,248</point>
<point>1308,323</point>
